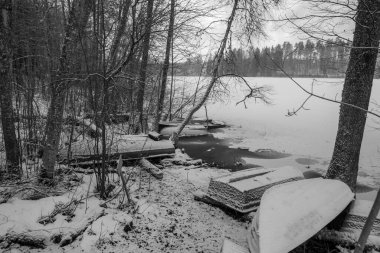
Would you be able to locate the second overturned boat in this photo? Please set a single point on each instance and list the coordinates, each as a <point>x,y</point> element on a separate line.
<point>242,190</point>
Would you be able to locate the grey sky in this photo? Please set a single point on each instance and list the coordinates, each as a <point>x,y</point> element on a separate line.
<point>280,31</point>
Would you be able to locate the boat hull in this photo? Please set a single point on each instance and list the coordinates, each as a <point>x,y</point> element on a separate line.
<point>293,212</point>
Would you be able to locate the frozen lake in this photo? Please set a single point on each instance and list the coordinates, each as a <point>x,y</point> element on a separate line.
<point>308,135</point>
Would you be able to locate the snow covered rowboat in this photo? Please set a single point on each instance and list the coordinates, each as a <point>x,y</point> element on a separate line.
<point>293,212</point>
<point>242,190</point>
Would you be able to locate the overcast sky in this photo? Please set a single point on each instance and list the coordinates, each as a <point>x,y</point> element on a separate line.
<point>279,32</point>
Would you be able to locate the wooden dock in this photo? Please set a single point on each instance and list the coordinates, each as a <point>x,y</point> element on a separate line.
<point>131,147</point>
<point>194,124</point>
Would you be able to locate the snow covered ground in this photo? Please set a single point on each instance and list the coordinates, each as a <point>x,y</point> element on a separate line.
<point>166,218</point>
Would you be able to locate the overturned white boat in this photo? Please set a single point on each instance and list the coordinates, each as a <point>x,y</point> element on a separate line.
<point>293,212</point>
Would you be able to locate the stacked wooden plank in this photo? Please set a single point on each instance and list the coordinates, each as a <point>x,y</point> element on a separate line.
<point>242,190</point>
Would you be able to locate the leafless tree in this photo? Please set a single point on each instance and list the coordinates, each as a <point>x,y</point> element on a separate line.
<point>143,67</point>
<point>250,14</point>
<point>77,19</point>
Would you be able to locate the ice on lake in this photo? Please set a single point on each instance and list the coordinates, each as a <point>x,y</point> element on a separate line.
<point>308,134</point>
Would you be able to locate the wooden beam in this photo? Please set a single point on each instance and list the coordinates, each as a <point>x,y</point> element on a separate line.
<point>151,168</point>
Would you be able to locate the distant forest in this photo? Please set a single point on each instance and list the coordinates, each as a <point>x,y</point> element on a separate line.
<point>302,59</point>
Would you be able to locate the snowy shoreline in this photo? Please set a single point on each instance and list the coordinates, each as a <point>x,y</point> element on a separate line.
<point>165,219</point>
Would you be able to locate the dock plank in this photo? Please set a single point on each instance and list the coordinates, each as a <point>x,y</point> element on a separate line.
<point>129,146</point>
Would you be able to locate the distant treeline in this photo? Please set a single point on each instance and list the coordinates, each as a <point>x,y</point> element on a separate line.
<point>302,59</point>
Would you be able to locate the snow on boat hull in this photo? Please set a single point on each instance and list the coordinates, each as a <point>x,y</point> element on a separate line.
<point>293,212</point>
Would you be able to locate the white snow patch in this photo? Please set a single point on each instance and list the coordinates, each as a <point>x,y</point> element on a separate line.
<point>103,230</point>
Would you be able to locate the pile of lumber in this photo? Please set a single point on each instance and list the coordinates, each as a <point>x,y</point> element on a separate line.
<point>242,191</point>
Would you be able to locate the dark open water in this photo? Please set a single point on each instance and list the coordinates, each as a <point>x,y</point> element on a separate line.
<point>216,152</point>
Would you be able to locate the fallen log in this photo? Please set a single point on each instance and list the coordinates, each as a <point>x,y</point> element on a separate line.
<point>23,239</point>
<point>69,237</point>
<point>152,169</point>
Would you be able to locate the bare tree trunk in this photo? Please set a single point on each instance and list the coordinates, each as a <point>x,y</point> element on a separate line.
<point>104,107</point>
<point>165,68</point>
<point>119,31</point>
<point>171,93</point>
<point>357,92</point>
<point>58,87</point>
<point>214,77</point>
<point>115,46</point>
<point>53,130</point>
<point>7,117</point>
<point>144,65</point>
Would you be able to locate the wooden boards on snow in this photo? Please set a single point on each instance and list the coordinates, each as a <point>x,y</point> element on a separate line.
<point>293,212</point>
<point>242,190</point>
